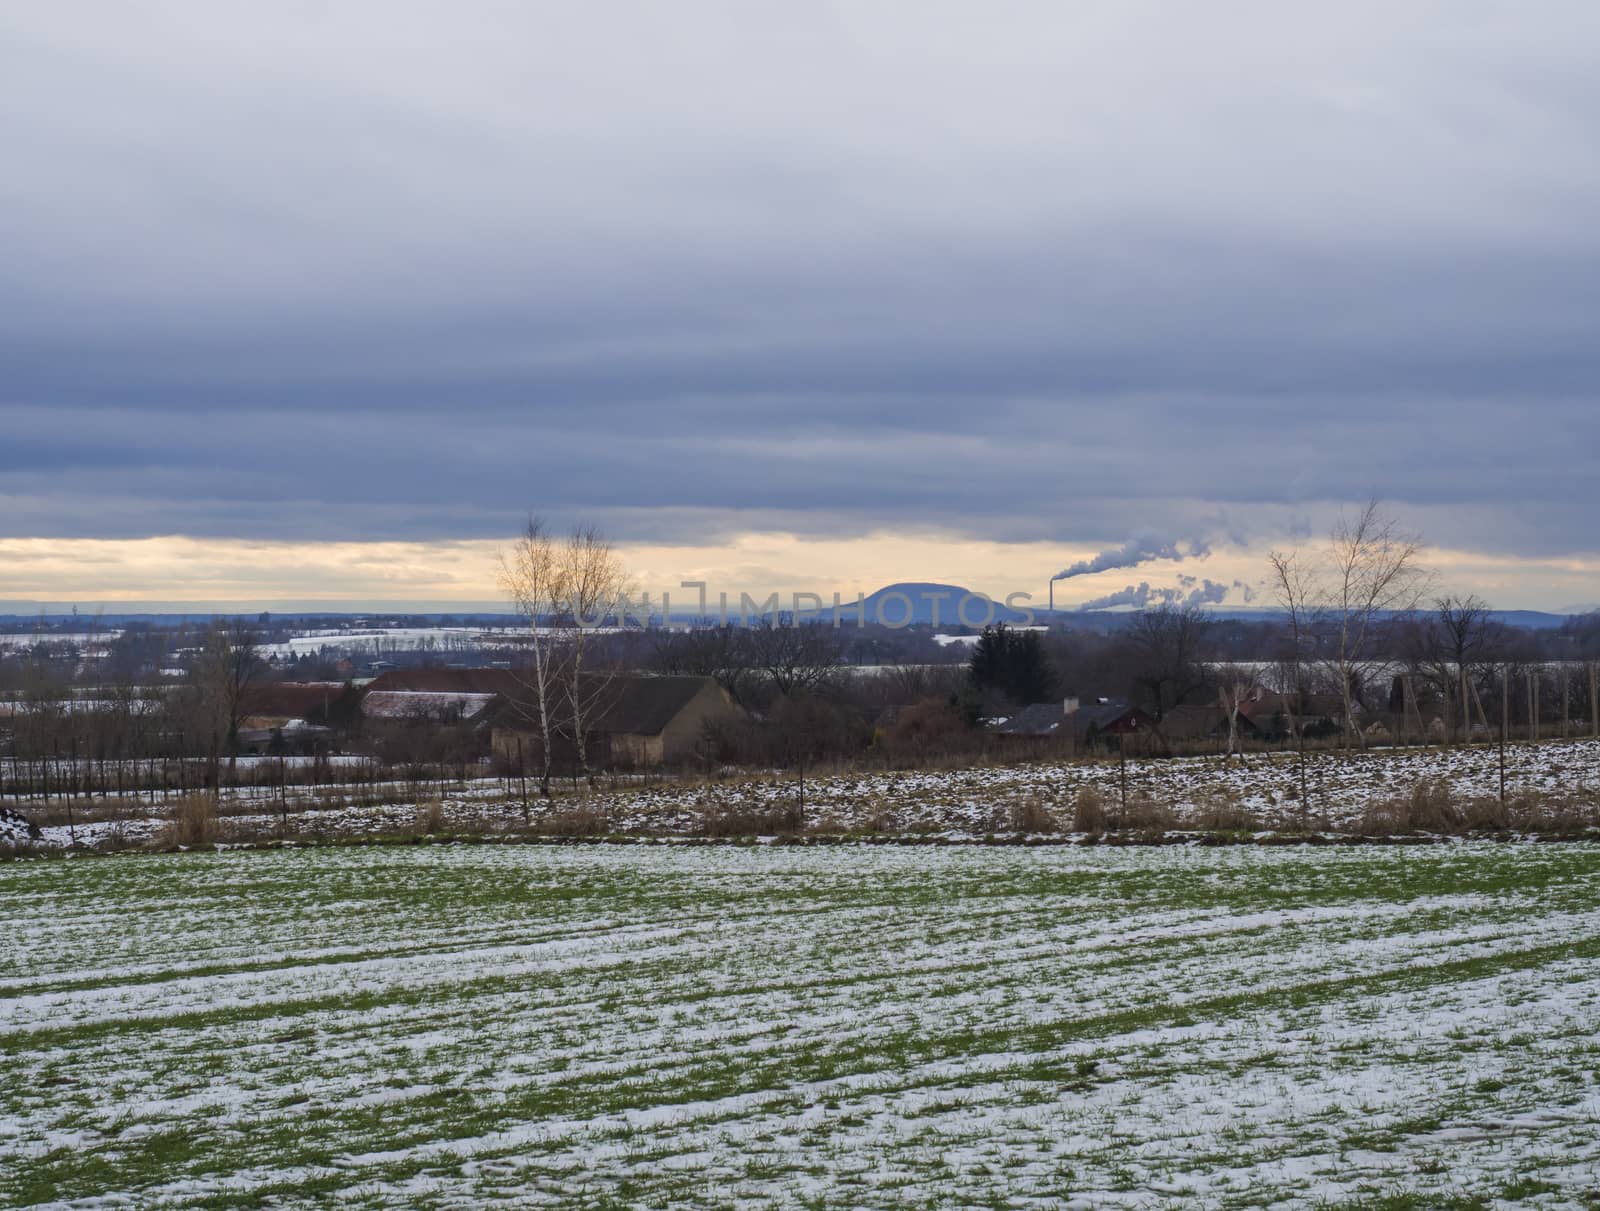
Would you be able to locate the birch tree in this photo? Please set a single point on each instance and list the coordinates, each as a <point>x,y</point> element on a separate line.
<point>532,575</point>
<point>596,587</point>
<point>1374,570</point>
<point>1237,684</point>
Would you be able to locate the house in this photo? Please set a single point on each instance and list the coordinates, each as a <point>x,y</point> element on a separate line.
<point>637,719</point>
<point>293,717</point>
<point>439,707</point>
<point>1074,723</point>
<point>273,704</point>
<point>1204,721</point>
<point>1271,714</point>
<point>293,737</point>
<point>403,699</point>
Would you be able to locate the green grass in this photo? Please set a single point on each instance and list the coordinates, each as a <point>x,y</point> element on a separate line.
<point>846,1027</point>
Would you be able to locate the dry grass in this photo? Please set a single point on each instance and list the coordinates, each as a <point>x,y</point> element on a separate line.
<point>1031,816</point>
<point>1145,814</point>
<point>725,820</point>
<point>192,823</point>
<point>1221,812</point>
<point>880,819</point>
<point>1431,807</point>
<point>1088,811</point>
<point>578,821</point>
<point>430,816</point>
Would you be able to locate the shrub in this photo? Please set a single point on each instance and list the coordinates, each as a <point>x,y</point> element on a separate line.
<point>1145,813</point>
<point>1088,811</point>
<point>1485,816</point>
<point>925,730</point>
<point>1031,816</point>
<point>1223,813</point>
<point>1551,815</point>
<point>192,823</point>
<point>1431,808</point>
<point>722,820</point>
<point>1428,808</point>
<point>430,816</point>
<point>578,821</point>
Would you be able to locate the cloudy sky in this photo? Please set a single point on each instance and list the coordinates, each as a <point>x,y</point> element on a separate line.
<point>315,301</point>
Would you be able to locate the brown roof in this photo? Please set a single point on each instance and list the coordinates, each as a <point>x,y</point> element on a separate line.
<point>643,706</point>
<point>449,681</point>
<point>290,699</point>
<point>632,705</point>
<point>1272,703</point>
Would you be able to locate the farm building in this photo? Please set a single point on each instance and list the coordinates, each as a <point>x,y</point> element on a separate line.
<point>1206,721</point>
<point>425,706</point>
<point>278,703</point>
<point>1272,713</point>
<point>293,716</point>
<point>1074,723</point>
<point>638,720</point>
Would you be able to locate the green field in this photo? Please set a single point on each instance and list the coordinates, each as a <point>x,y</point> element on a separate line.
<point>851,1026</point>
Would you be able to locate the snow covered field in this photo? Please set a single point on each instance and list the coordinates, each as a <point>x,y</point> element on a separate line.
<point>963,802</point>
<point>852,1027</point>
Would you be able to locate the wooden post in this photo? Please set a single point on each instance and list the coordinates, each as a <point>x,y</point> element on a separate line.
<point>1466,705</point>
<point>1122,762</point>
<point>1533,704</point>
<point>522,777</point>
<point>1527,685</point>
<point>1566,704</point>
<point>1505,724</point>
<point>1594,699</point>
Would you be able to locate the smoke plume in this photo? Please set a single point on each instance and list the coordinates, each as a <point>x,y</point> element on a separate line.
<point>1143,597</point>
<point>1141,548</point>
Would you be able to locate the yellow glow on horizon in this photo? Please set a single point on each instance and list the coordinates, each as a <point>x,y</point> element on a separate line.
<point>245,573</point>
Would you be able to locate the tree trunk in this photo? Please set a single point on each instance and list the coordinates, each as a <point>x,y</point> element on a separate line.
<point>1505,725</point>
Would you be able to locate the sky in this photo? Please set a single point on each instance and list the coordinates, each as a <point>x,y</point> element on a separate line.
<point>317,302</point>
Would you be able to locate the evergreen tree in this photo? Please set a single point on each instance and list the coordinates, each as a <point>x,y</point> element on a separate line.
<point>1014,664</point>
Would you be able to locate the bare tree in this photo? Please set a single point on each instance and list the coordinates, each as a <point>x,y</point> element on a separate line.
<point>709,649</point>
<point>1459,636</point>
<point>597,590</point>
<point>797,657</point>
<point>1374,570</point>
<point>1237,684</point>
<point>1168,639</point>
<point>227,663</point>
<point>1295,589</point>
<point>531,574</point>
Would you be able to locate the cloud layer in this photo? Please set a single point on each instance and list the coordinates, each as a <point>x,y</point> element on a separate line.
<point>1041,272</point>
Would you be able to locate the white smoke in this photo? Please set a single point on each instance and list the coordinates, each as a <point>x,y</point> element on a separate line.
<point>1142,597</point>
<point>1141,548</point>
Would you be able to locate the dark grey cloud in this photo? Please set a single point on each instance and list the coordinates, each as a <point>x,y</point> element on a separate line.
<point>410,271</point>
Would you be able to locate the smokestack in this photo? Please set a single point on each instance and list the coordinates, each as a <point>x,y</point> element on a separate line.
<point>1052,598</point>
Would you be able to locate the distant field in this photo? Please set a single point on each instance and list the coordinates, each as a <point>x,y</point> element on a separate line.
<point>850,1027</point>
<point>1342,788</point>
